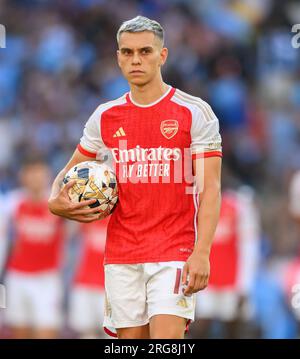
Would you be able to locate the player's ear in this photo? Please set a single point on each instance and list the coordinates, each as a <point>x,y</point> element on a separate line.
<point>163,56</point>
<point>118,57</point>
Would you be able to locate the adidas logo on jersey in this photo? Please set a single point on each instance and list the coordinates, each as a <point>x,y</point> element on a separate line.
<point>120,133</point>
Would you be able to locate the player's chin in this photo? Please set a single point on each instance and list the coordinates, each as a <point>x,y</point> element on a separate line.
<point>138,80</point>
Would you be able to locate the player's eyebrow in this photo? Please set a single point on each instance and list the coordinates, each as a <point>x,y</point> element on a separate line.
<point>148,48</point>
<point>123,49</point>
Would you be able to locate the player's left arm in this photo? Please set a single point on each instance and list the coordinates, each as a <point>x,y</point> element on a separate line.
<point>208,178</point>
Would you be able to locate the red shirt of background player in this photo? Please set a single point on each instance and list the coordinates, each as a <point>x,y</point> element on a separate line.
<point>37,240</point>
<point>90,270</point>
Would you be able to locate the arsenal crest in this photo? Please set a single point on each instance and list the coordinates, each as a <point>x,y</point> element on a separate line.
<point>169,128</point>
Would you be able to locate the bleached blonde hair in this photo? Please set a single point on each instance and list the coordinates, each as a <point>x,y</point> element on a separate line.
<point>139,24</point>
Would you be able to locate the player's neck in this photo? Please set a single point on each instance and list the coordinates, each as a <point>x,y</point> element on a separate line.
<point>149,93</point>
<point>37,196</point>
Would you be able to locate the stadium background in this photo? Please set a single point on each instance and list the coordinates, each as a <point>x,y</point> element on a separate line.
<point>59,64</point>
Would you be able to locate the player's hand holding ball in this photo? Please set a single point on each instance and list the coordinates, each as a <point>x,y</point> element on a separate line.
<point>89,193</point>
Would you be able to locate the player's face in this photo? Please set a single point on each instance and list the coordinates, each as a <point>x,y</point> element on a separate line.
<point>140,57</point>
<point>35,177</point>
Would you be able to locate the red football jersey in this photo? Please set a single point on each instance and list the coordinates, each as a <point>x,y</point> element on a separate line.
<point>224,252</point>
<point>90,270</point>
<point>235,249</point>
<point>151,147</point>
<point>37,240</point>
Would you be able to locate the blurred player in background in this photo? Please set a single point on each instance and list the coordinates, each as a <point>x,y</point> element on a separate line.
<point>86,307</point>
<point>292,272</point>
<point>292,287</point>
<point>234,258</point>
<point>33,256</point>
<point>3,247</point>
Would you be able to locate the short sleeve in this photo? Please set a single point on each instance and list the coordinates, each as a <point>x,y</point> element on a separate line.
<point>91,142</point>
<point>205,137</point>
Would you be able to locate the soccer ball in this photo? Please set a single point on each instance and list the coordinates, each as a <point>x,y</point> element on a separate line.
<point>94,181</point>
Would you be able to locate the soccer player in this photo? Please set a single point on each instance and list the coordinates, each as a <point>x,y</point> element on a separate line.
<point>291,285</point>
<point>32,279</point>
<point>156,257</point>
<point>291,277</point>
<point>235,253</point>
<point>4,225</point>
<point>87,295</point>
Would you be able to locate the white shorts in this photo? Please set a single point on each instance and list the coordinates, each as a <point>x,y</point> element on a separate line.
<point>86,309</point>
<point>33,300</point>
<point>136,292</point>
<point>222,305</point>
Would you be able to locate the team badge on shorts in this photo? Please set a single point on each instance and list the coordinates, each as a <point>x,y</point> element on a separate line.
<point>182,303</point>
<point>169,128</point>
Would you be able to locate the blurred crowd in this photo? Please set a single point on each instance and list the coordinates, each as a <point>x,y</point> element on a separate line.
<point>60,64</point>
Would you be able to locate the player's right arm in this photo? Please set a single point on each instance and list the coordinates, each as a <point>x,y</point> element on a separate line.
<point>59,202</point>
<point>90,145</point>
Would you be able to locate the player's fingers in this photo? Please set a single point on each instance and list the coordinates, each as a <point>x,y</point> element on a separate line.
<point>86,219</point>
<point>84,203</point>
<point>86,211</point>
<point>203,282</point>
<point>68,185</point>
<point>90,219</point>
<point>188,291</point>
<point>191,283</point>
<point>198,284</point>
<point>184,274</point>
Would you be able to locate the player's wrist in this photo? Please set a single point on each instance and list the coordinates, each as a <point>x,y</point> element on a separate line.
<point>53,206</point>
<point>202,251</point>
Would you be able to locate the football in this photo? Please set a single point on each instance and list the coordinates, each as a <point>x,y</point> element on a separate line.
<point>94,181</point>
